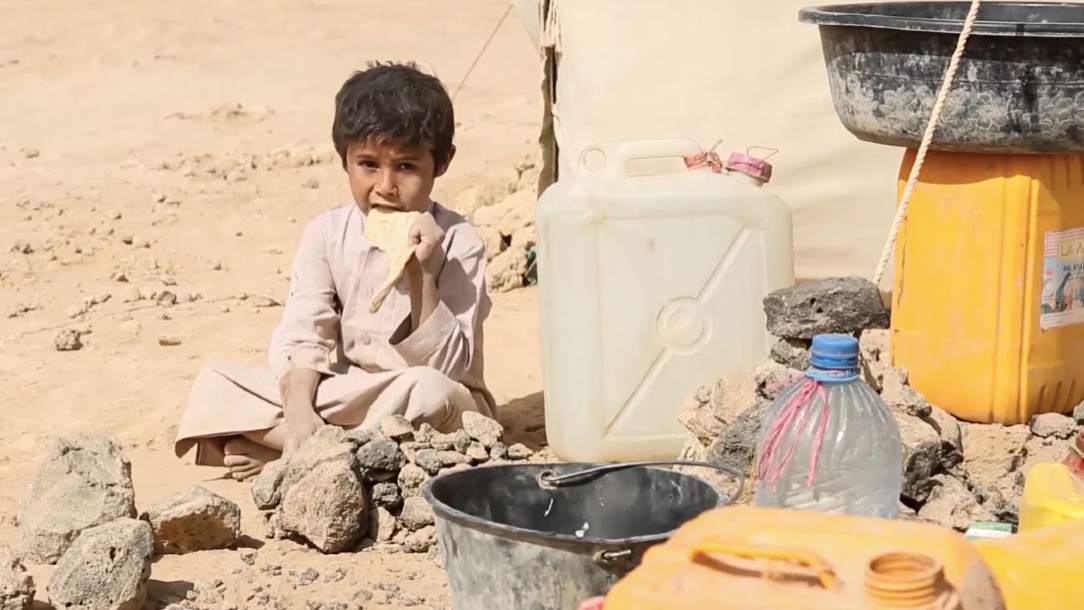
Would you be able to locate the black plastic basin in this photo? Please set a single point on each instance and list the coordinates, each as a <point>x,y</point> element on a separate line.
<point>1019,89</point>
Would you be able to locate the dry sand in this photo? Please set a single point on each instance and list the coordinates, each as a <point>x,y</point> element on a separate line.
<point>181,147</point>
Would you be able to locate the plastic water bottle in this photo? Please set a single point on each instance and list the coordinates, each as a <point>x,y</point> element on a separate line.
<point>829,443</point>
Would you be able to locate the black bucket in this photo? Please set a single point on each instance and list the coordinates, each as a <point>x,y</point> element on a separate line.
<point>515,538</point>
<point>1019,88</point>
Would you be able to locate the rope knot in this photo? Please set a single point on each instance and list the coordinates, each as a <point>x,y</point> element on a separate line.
<point>708,158</point>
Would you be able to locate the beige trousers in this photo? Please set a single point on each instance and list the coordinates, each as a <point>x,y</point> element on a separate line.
<point>231,398</point>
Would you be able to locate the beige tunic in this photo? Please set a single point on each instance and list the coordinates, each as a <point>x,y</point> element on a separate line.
<point>374,365</point>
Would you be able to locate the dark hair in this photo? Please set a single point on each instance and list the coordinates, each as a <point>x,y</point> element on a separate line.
<point>395,101</point>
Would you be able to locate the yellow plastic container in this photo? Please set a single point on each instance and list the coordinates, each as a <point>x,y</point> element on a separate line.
<point>1053,495</point>
<point>1039,569</point>
<point>749,558</point>
<point>988,302</point>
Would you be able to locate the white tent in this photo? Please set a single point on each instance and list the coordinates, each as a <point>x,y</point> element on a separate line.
<point>745,72</point>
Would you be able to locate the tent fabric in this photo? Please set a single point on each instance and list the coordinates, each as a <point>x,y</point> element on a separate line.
<point>748,73</point>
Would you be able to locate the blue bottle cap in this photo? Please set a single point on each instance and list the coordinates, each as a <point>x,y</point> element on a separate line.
<point>834,352</point>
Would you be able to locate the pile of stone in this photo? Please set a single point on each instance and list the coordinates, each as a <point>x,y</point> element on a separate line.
<point>343,491</point>
<point>955,473</point>
<point>79,513</point>
<point>503,213</point>
<point>340,491</point>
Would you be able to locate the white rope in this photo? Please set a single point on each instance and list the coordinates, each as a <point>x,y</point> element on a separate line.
<point>927,139</point>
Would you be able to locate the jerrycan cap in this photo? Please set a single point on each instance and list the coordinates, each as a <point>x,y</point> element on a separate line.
<point>750,165</point>
<point>834,352</point>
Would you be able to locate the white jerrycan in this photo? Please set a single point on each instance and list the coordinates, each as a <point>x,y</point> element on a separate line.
<point>651,286</point>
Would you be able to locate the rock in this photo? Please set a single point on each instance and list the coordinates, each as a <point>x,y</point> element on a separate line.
<point>265,490</point>
<point>509,214</point>
<point>525,238</point>
<point>1053,425</point>
<point>699,418</point>
<point>397,428</point>
<point>477,453</point>
<point>899,396</point>
<point>485,430</point>
<point>493,240</point>
<point>421,540</point>
<point>17,589</point>
<point>416,514</point>
<point>951,504</point>
<point>195,520</point>
<point>1078,414</point>
<point>327,508</point>
<point>1038,449</point>
<point>519,451</point>
<point>247,555</point>
<point>429,461</point>
<point>424,434</point>
<point>952,443</point>
<point>452,458</point>
<point>380,456</point>
<point>772,378</point>
<point>792,353</point>
<point>736,447</point>
<point>85,481</point>
<point>991,451</point>
<point>382,525</point>
<point>106,568</point>
<point>454,441</point>
<point>386,495</point>
<point>411,479</point>
<point>921,457</point>
<point>498,452</point>
<point>834,305</point>
<point>68,340</point>
<point>505,272</point>
<point>328,444</point>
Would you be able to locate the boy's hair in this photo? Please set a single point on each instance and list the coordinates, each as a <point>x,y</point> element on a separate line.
<point>396,101</point>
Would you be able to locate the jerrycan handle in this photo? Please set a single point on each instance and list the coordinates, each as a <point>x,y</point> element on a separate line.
<point>616,155</point>
<point>806,559</point>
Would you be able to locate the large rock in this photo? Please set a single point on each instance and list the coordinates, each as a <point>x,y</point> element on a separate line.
<point>194,520</point>
<point>921,457</point>
<point>17,588</point>
<point>327,507</point>
<point>736,447</point>
<point>328,444</point>
<point>85,481</point>
<point>106,568</point>
<point>835,305</point>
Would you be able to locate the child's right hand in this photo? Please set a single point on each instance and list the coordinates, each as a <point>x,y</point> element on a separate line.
<point>299,426</point>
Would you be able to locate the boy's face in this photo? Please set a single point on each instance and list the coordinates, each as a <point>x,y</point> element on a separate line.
<point>383,173</point>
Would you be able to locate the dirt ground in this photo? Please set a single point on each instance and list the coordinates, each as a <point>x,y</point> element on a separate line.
<point>182,146</point>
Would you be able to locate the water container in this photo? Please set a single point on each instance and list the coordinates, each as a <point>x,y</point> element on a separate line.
<point>829,443</point>
<point>747,558</point>
<point>1040,568</point>
<point>1052,495</point>
<point>988,303</point>
<point>651,286</point>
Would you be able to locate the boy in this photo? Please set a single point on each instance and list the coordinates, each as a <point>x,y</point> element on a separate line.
<point>419,355</point>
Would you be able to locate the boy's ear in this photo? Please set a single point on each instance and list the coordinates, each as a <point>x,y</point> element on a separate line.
<point>444,167</point>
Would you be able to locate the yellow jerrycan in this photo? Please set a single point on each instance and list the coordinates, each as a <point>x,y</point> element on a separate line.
<point>1038,569</point>
<point>753,558</point>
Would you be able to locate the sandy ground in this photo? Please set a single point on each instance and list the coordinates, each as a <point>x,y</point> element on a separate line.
<point>157,146</point>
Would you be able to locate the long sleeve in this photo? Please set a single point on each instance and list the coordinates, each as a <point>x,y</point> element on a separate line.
<point>449,340</point>
<point>309,330</point>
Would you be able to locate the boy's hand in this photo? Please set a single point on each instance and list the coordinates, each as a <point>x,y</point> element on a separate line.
<point>300,424</point>
<point>425,235</point>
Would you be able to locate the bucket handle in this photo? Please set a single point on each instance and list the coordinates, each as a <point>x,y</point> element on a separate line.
<point>549,479</point>
<point>807,561</point>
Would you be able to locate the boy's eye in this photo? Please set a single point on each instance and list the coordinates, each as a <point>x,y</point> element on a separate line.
<point>367,163</point>
<point>407,167</point>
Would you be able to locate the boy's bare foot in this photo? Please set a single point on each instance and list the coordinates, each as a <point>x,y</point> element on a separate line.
<point>245,459</point>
